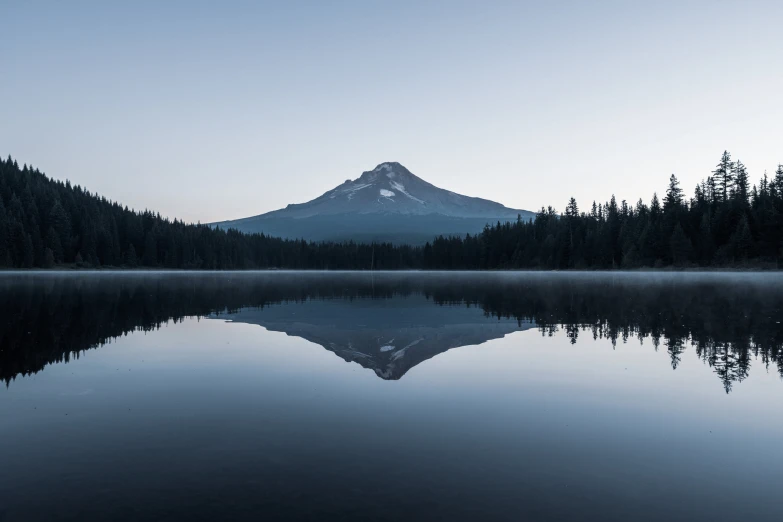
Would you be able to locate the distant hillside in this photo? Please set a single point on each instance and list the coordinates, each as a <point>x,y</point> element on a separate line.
<point>46,223</point>
<point>388,203</point>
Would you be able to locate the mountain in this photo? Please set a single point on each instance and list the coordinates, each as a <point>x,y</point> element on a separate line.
<point>388,203</point>
<point>388,336</point>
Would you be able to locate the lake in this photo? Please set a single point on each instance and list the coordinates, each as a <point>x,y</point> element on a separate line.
<point>391,396</point>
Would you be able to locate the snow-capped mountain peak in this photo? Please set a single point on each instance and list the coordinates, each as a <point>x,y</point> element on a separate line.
<point>392,188</point>
<point>368,205</point>
<point>385,183</point>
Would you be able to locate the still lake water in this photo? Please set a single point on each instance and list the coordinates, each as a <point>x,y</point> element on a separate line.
<point>391,396</point>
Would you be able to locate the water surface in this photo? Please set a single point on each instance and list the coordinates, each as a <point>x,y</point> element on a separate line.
<point>391,396</point>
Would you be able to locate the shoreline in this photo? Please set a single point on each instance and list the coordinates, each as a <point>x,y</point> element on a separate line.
<point>75,270</point>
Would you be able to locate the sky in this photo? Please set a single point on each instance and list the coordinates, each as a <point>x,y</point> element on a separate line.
<point>209,111</point>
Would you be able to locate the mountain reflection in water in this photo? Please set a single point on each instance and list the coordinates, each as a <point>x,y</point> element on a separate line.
<point>390,322</point>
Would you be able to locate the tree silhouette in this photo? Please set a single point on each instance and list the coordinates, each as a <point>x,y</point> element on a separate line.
<point>725,223</point>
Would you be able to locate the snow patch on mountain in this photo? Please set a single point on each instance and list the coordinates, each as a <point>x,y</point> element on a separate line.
<point>387,193</point>
<point>383,166</point>
<point>351,191</point>
<point>401,188</point>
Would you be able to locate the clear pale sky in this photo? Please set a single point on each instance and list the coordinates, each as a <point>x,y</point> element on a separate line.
<point>217,110</point>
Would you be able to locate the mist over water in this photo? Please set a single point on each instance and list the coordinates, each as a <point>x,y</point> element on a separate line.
<point>380,396</point>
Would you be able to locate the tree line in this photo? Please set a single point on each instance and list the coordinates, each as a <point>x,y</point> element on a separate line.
<point>726,223</point>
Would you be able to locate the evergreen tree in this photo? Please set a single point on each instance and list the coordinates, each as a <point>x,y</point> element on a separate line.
<point>572,210</point>
<point>741,190</point>
<point>673,198</point>
<point>764,185</point>
<point>711,190</point>
<point>777,182</point>
<point>723,174</point>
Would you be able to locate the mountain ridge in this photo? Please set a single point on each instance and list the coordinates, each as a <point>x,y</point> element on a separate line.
<point>387,203</point>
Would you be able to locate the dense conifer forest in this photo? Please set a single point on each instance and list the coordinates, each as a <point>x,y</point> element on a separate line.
<point>727,222</point>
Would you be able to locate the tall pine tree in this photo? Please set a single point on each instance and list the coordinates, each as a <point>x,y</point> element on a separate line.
<point>723,175</point>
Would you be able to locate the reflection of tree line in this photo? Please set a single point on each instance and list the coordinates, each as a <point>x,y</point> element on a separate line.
<point>46,319</point>
<point>726,324</point>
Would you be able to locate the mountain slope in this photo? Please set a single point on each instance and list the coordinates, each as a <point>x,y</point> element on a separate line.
<point>388,203</point>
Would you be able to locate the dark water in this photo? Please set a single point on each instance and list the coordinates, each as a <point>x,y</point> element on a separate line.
<point>301,396</point>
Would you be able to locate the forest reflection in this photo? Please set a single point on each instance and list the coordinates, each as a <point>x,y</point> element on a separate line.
<point>728,321</point>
